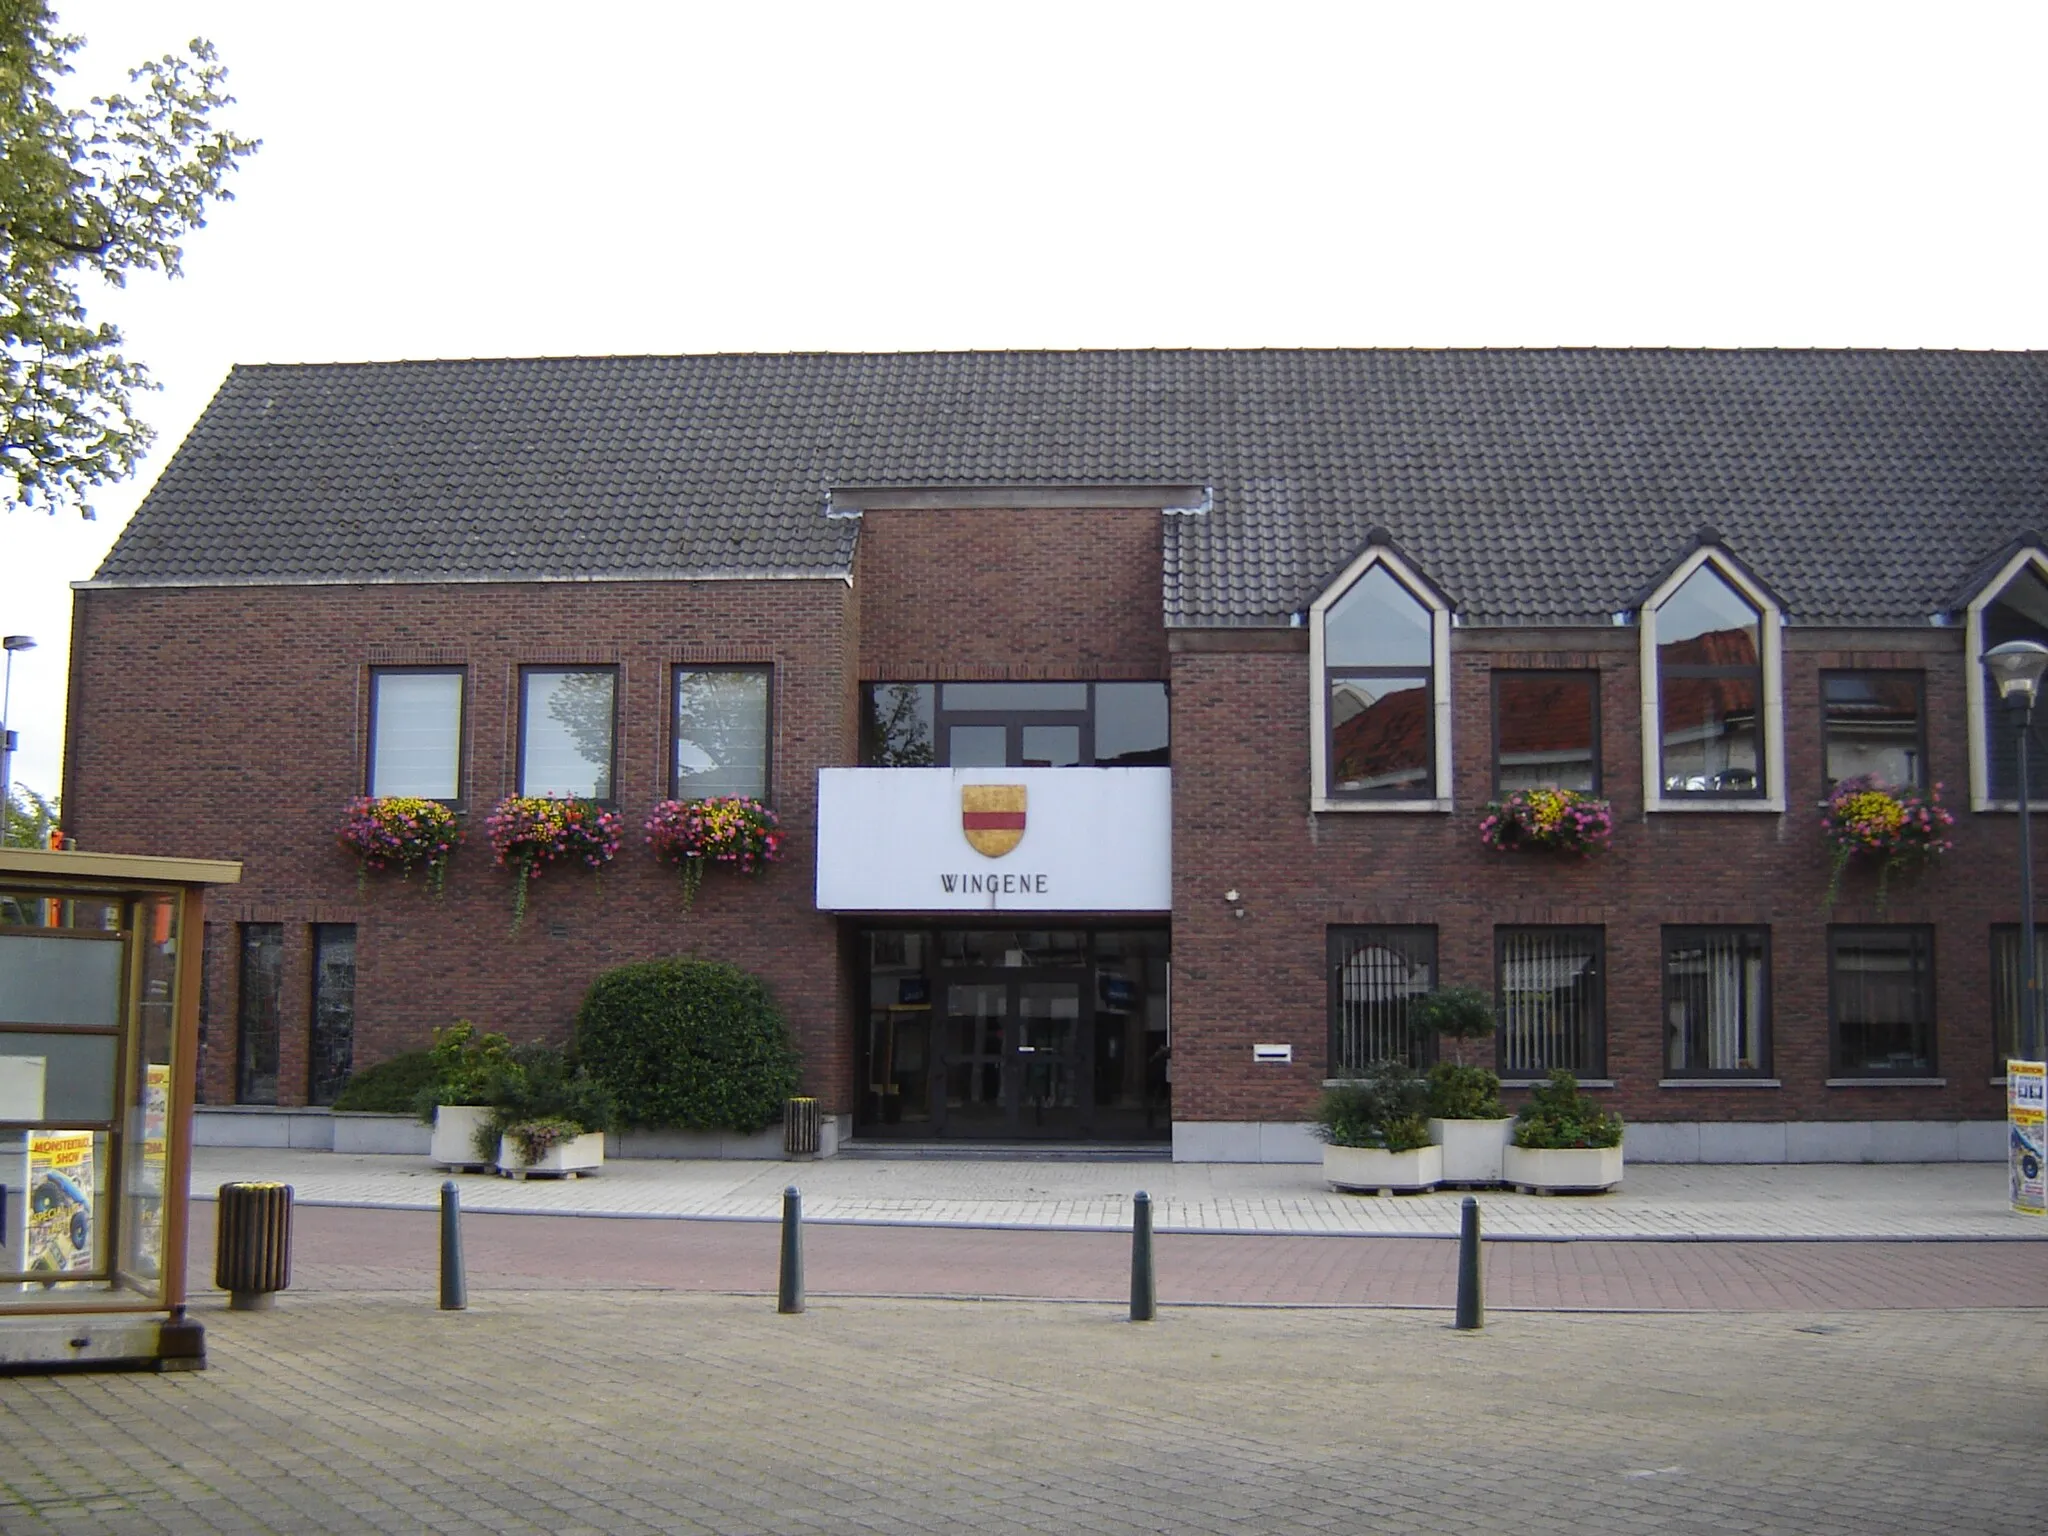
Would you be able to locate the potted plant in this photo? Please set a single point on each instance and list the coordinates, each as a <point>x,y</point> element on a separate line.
<point>547,1115</point>
<point>1899,830</point>
<point>529,832</point>
<point>1563,1141</point>
<point>401,832</point>
<point>455,1101</point>
<point>1465,1117</point>
<point>1374,1133</point>
<point>1548,821</point>
<point>732,830</point>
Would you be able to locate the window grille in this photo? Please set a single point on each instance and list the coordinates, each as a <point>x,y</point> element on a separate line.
<point>1550,1008</point>
<point>1375,976</point>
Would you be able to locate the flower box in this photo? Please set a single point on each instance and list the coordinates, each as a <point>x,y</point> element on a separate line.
<point>1549,1170</point>
<point>1561,821</point>
<point>455,1128</point>
<point>1472,1148</point>
<point>578,1155</point>
<point>1369,1170</point>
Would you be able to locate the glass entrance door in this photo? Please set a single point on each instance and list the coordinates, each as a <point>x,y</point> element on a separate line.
<point>1013,1034</point>
<point>1012,1064</point>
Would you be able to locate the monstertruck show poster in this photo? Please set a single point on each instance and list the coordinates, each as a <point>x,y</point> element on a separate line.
<point>60,1201</point>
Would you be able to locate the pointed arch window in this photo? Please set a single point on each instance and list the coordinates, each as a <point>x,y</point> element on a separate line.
<point>1381,705</point>
<point>1713,716</point>
<point>2014,606</point>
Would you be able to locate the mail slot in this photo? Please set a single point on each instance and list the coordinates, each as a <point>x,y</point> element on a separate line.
<point>1280,1053</point>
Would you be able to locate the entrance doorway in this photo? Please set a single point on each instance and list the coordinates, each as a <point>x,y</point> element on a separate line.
<point>1015,1034</point>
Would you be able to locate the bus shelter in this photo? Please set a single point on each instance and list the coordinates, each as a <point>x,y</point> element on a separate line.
<point>99,1034</point>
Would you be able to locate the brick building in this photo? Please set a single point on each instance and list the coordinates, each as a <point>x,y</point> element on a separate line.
<point>1125,711</point>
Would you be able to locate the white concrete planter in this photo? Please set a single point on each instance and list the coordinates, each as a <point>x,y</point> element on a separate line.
<point>1546,1170</point>
<point>1370,1169</point>
<point>578,1155</point>
<point>455,1128</point>
<point>1472,1148</point>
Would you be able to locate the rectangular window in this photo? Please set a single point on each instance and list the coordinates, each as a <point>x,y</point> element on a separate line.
<point>1552,1006</point>
<point>1716,1002</point>
<point>2005,987</point>
<point>1546,731</point>
<point>332,1051</point>
<point>721,732</point>
<point>415,733</point>
<point>1874,724</point>
<point>1881,1001</point>
<point>259,1012</point>
<point>567,724</point>
<point>1375,974</point>
<point>1381,741</point>
<point>1014,725</point>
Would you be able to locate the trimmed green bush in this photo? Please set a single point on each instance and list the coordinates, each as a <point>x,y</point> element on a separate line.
<point>694,1045</point>
<point>1558,1115</point>
<point>1458,1092</point>
<point>1384,1109</point>
<point>538,1097</point>
<point>389,1087</point>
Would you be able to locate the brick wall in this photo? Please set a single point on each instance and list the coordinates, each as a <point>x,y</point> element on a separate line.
<point>1241,822</point>
<point>230,723</point>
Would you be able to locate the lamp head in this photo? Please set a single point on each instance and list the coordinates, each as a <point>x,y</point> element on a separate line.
<point>2017,667</point>
<point>18,642</point>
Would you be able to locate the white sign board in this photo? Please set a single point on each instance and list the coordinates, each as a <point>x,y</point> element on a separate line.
<point>995,840</point>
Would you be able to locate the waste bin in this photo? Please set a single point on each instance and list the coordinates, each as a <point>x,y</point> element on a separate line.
<point>800,1127</point>
<point>253,1248</point>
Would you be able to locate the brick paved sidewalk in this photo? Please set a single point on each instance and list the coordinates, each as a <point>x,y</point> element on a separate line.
<point>338,1248</point>
<point>620,1413</point>
<point>1841,1201</point>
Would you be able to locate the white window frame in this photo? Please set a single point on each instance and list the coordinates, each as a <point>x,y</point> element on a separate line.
<point>1424,592</point>
<point>1770,634</point>
<point>1973,671</point>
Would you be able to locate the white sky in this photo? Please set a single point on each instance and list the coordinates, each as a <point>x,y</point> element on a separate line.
<point>444,179</point>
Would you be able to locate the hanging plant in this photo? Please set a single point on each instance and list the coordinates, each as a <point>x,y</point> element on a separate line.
<point>1899,829</point>
<point>529,832</point>
<point>1547,820</point>
<point>400,832</point>
<point>694,834</point>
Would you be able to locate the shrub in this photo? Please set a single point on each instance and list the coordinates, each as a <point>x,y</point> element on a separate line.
<point>1459,1092</point>
<point>1462,1013</point>
<point>1385,1110</point>
<point>1558,1115</point>
<point>391,1087</point>
<point>688,1045</point>
<point>537,1097</point>
<point>462,1062</point>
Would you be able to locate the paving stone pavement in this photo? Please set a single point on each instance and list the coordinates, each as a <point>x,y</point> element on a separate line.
<point>1663,1201</point>
<point>617,1413</point>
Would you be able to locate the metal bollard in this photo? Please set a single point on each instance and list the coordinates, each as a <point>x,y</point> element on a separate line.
<point>1471,1306</point>
<point>790,1295</point>
<point>454,1285</point>
<point>253,1244</point>
<point>1144,1292</point>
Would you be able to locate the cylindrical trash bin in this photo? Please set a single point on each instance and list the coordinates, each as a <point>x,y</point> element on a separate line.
<point>800,1127</point>
<point>253,1248</point>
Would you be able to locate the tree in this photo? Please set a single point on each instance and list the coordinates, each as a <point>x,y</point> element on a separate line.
<point>29,817</point>
<point>90,192</point>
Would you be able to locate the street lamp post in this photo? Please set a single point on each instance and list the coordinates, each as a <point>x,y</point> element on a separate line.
<point>2017,667</point>
<point>11,643</point>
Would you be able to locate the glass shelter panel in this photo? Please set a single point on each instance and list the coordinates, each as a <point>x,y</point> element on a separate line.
<point>87,1040</point>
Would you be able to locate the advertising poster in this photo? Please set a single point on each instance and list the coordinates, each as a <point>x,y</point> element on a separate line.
<point>2026,1089</point>
<point>60,1218</point>
<point>145,1228</point>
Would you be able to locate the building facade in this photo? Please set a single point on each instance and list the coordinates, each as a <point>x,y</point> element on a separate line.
<point>1131,719</point>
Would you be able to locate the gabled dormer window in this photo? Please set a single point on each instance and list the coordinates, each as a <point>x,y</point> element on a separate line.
<point>2012,606</point>
<point>1380,711</point>
<point>1713,706</point>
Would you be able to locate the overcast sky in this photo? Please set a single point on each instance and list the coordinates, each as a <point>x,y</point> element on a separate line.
<point>443,179</point>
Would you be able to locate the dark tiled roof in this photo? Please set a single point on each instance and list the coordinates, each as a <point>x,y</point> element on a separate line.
<point>1535,486</point>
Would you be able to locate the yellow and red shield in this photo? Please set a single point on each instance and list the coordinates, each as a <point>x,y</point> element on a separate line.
<point>992,816</point>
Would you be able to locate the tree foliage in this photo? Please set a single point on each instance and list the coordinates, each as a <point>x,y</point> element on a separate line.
<point>90,193</point>
<point>30,816</point>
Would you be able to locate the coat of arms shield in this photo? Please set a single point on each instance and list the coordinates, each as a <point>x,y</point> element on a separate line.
<point>992,817</point>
